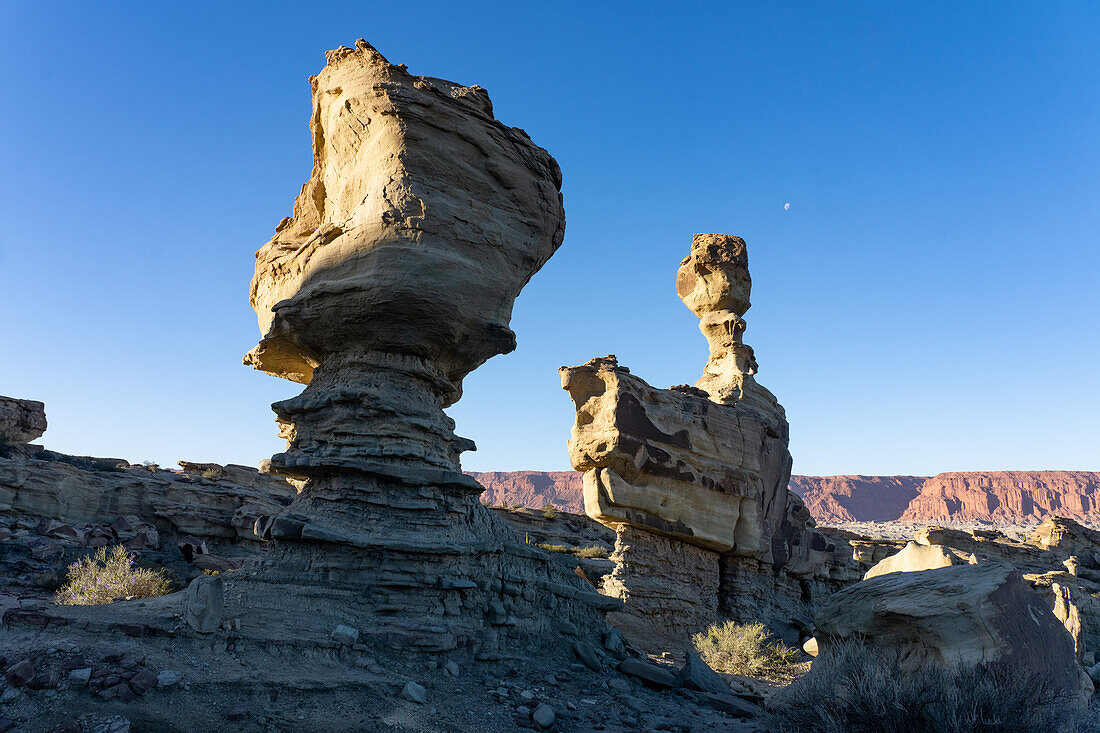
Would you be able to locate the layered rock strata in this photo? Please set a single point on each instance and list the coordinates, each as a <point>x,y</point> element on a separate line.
<point>21,421</point>
<point>1006,496</point>
<point>395,277</point>
<point>694,479</point>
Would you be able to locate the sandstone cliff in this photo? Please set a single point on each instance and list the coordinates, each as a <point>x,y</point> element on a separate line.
<point>535,489</point>
<point>997,496</point>
<point>836,499</point>
<point>1012,496</point>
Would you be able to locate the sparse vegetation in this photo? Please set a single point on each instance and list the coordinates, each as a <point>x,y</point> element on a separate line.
<point>549,511</point>
<point>745,649</point>
<point>854,689</point>
<point>108,576</point>
<point>584,552</point>
<point>211,473</point>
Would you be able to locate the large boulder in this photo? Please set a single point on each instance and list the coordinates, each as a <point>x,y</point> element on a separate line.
<point>914,558</point>
<point>21,421</point>
<point>956,616</point>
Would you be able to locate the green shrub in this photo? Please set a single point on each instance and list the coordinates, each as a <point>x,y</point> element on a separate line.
<point>109,576</point>
<point>744,649</point>
<point>549,511</point>
<point>855,689</point>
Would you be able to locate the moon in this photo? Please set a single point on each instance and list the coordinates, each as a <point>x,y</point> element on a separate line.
<point>787,206</point>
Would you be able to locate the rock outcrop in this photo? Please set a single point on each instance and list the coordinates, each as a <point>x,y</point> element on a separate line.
<point>1007,496</point>
<point>395,277</point>
<point>694,479</point>
<point>21,421</point>
<point>914,558</point>
<point>205,500</point>
<point>956,616</point>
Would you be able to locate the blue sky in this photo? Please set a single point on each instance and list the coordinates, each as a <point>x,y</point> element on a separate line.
<point>928,303</point>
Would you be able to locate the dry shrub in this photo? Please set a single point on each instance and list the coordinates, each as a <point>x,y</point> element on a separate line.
<point>108,576</point>
<point>856,689</point>
<point>553,548</point>
<point>745,649</point>
<point>549,511</point>
<point>590,552</point>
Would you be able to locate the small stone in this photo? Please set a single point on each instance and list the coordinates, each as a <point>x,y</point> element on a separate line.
<point>168,677</point>
<point>451,668</point>
<point>567,628</point>
<point>19,673</point>
<point>696,675</point>
<point>345,634</point>
<point>732,705</point>
<point>414,693</point>
<point>80,676</point>
<point>1094,673</point>
<point>543,717</point>
<point>239,711</point>
<point>571,706</point>
<point>143,681</point>
<point>203,601</point>
<point>613,642</point>
<point>810,646</point>
<point>650,675</point>
<point>527,695</point>
<point>121,692</point>
<point>587,655</point>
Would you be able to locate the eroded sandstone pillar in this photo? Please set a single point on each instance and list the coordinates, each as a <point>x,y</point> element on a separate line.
<point>394,278</point>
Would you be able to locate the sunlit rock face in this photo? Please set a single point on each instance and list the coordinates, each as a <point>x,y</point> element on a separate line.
<point>395,277</point>
<point>705,468</point>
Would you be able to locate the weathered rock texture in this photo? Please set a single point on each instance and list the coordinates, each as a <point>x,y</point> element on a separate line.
<point>205,500</point>
<point>955,616</point>
<point>694,479</point>
<point>395,277</point>
<point>1008,496</point>
<point>21,421</point>
<point>837,499</point>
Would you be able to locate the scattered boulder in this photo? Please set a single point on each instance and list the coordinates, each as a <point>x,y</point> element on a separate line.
<point>697,675</point>
<point>414,692</point>
<point>543,716</point>
<point>650,674</point>
<point>345,635</point>
<point>960,615</point>
<point>587,655</point>
<point>203,600</point>
<point>916,557</point>
<point>168,677</point>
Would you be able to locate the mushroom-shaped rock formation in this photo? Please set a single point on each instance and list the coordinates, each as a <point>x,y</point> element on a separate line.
<point>422,221</point>
<point>694,479</point>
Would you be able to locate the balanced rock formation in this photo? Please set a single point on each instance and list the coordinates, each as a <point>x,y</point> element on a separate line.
<point>21,421</point>
<point>694,479</point>
<point>956,616</point>
<point>395,277</point>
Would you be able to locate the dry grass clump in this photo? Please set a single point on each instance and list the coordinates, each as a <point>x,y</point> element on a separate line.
<point>109,576</point>
<point>855,689</point>
<point>553,548</point>
<point>745,649</point>
<point>590,552</point>
<point>549,511</point>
